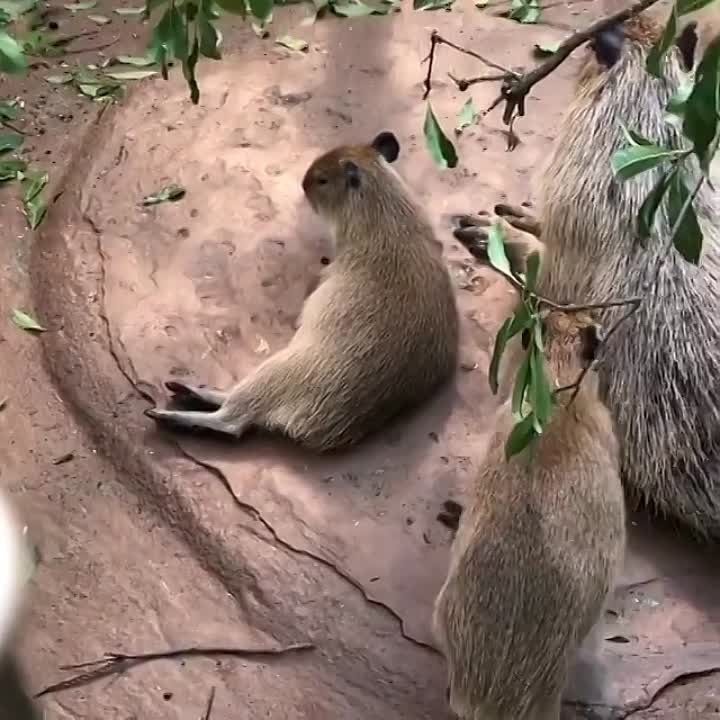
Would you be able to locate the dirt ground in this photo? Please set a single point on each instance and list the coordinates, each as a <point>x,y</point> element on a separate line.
<point>151,543</point>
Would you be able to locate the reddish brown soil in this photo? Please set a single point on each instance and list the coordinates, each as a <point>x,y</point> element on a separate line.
<point>152,543</point>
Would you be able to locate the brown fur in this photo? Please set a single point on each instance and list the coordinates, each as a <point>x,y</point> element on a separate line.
<point>376,337</point>
<point>663,365</point>
<point>537,548</point>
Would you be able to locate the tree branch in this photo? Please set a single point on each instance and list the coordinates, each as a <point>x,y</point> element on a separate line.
<point>515,86</point>
<point>119,663</point>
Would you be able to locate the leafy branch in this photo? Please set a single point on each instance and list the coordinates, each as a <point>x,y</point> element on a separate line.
<point>692,113</point>
<point>533,400</point>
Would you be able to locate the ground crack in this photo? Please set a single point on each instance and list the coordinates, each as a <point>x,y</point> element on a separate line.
<point>253,512</point>
<point>129,376</point>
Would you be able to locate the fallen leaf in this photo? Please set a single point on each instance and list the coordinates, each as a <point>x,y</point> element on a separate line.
<point>617,639</point>
<point>35,212</point>
<point>131,74</point>
<point>129,11</point>
<point>10,141</point>
<point>15,8</point>
<point>547,48</point>
<point>26,322</point>
<point>59,79</point>
<point>136,60</point>
<point>9,169</point>
<point>293,43</point>
<point>99,19</point>
<point>87,5</point>
<point>34,185</point>
<point>168,193</point>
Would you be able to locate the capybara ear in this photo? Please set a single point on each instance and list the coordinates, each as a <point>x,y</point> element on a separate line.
<point>387,145</point>
<point>608,44</point>
<point>686,43</point>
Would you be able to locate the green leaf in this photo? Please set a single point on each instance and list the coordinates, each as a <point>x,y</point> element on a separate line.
<point>501,339</point>
<point>649,208</point>
<point>12,59</point>
<point>441,149</point>
<point>522,434</point>
<point>209,38</point>
<point>74,7</point>
<point>35,211</point>
<point>633,160</point>
<point>687,6</point>
<point>33,185</point>
<point>8,110</point>
<point>293,43</point>
<point>9,169</point>
<point>129,10</point>
<point>131,74</point>
<point>170,37</point>
<point>633,137</point>
<point>496,249</point>
<point>540,394</point>
<point>431,4</point>
<point>702,107</point>
<point>261,9</point>
<point>25,321</point>
<point>10,141</point>
<point>654,64</point>
<point>168,193</point>
<point>14,9</point>
<point>688,239</point>
<point>234,7</point>
<point>135,60</point>
<point>522,380</point>
<point>532,271</point>
<point>466,116</point>
<point>525,11</point>
<point>547,48</point>
<point>99,19</point>
<point>676,104</point>
<point>516,323</point>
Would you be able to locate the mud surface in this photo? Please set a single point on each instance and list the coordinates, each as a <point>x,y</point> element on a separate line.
<point>152,542</point>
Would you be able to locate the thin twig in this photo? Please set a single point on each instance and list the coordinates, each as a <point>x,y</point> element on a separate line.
<point>464,83</point>
<point>437,39</point>
<point>211,700</point>
<point>120,663</point>
<point>505,71</point>
<point>634,305</point>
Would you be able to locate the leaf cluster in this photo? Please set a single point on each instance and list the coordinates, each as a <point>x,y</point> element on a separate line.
<point>532,398</point>
<point>694,110</point>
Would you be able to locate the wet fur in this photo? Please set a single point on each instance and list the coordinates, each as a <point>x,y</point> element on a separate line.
<point>536,553</point>
<point>663,365</point>
<point>377,336</point>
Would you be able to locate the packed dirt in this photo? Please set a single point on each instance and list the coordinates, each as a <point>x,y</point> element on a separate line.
<point>152,543</point>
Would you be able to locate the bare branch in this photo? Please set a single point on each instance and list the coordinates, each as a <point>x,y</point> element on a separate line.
<point>119,663</point>
<point>515,90</point>
<point>464,83</point>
